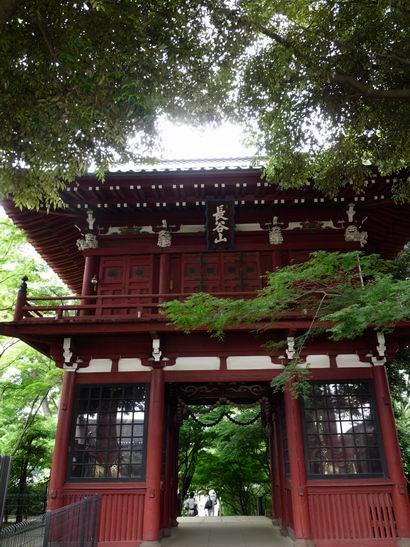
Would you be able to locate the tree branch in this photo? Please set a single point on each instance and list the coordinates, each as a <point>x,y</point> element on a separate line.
<point>371,92</point>
<point>7,9</point>
<point>43,32</point>
<point>394,57</point>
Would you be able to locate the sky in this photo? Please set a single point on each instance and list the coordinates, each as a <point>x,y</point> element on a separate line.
<point>187,142</point>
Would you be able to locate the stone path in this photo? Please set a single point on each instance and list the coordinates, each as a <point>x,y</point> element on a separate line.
<point>226,532</point>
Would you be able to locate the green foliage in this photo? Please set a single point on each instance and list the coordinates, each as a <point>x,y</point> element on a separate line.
<point>29,381</point>
<point>235,463</point>
<point>79,79</point>
<point>399,381</point>
<point>193,439</point>
<point>294,378</point>
<point>328,288</point>
<point>322,84</point>
<point>328,87</point>
<point>342,294</point>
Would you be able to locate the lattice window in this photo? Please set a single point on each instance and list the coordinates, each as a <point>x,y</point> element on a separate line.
<point>341,431</point>
<point>109,433</point>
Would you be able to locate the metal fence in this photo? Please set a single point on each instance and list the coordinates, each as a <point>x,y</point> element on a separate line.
<point>75,525</point>
<point>24,506</point>
<point>5,463</point>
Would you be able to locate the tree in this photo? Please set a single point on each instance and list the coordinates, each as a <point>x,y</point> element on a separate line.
<point>236,464</point>
<point>80,79</point>
<point>399,381</point>
<point>349,291</point>
<point>29,381</point>
<point>192,441</point>
<point>343,294</point>
<point>325,83</point>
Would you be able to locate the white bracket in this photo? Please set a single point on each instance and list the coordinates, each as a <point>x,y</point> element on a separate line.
<point>67,353</point>
<point>90,219</point>
<point>156,351</point>
<point>290,351</point>
<point>380,360</point>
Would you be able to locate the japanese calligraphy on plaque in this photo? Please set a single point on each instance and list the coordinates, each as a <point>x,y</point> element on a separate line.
<point>220,225</point>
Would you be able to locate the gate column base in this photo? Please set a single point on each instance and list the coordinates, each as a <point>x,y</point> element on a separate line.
<point>166,532</point>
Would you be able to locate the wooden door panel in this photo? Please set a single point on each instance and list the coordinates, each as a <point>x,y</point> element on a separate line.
<point>191,273</point>
<point>140,275</point>
<point>127,275</point>
<point>111,282</point>
<point>220,272</point>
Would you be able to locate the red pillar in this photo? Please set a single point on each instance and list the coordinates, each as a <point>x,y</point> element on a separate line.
<point>90,269</point>
<point>152,506</point>
<point>163,275</point>
<point>21,299</point>
<point>166,517</point>
<point>300,508</point>
<point>272,473</point>
<point>392,451</point>
<point>284,517</point>
<point>60,456</point>
<point>174,478</point>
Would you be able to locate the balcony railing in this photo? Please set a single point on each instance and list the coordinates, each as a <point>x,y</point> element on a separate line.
<point>144,307</point>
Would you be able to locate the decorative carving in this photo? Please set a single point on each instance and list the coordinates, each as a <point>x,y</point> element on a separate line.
<point>89,242</point>
<point>164,236</point>
<point>222,392</point>
<point>353,234</point>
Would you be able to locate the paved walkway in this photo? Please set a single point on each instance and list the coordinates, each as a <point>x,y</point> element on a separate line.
<point>226,532</point>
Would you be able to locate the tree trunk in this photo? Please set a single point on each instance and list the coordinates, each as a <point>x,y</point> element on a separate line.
<point>21,491</point>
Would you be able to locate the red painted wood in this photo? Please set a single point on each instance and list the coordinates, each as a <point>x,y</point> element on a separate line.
<point>121,514</point>
<point>152,508</point>
<point>166,512</point>
<point>128,276</point>
<point>175,509</point>
<point>87,291</point>
<point>60,456</point>
<point>284,514</point>
<point>361,513</point>
<point>300,507</point>
<point>392,452</point>
<point>164,275</point>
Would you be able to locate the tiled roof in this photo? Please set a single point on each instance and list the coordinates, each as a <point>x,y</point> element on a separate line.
<point>200,164</point>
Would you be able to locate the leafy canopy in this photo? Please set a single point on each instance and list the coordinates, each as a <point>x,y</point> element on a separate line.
<point>232,459</point>
<point>29,381</point>
<point>343,293</point>
<point>323,83</point>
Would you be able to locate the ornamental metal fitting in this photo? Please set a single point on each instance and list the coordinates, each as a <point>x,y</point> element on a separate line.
<point>275,232</point>
<point>164,235</point>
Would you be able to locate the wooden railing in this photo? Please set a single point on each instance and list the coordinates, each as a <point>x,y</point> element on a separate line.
<point>136,306</point>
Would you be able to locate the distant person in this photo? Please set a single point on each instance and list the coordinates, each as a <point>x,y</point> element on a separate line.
<point>191,505</point>
<point>210,503</point>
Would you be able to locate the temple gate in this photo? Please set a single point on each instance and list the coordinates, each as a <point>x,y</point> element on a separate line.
<point>141,238</point>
